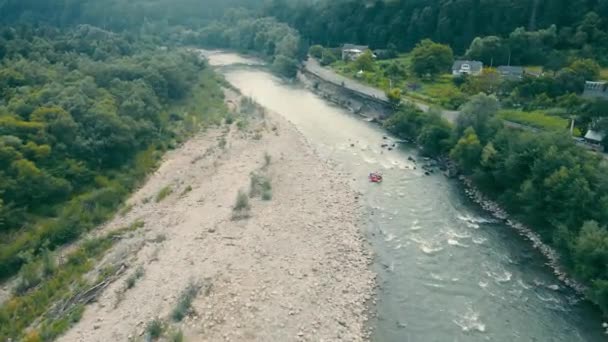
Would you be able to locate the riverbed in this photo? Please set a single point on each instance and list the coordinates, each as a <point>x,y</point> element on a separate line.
<point>447,271</point>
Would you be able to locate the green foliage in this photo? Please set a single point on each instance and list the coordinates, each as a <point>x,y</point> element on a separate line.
<point>163,193</point>
<point>587,68</point>
<point>316,51</point>
<point>132,279</point>
<point>184,302</point>
<point>328,57</point>
<point>285,66</point>
<point>489,49</point>
<point>79,130</point>
<point>467,151</point>
<point>394,96</point>
<point>365,62</point>
<point>154,329</point>
<point>22,310</point>
<point>176,336</point>
<point>430,58</point>
<point>479,114</point>
<point>241,207</point>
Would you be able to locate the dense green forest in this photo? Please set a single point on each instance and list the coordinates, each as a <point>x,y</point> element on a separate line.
<point>527,29</point>
<point>82,114</point>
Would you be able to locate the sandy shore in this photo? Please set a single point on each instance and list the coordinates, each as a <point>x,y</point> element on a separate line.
<point>296,270</point>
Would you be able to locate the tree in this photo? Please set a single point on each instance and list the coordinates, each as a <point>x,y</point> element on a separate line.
<point>591,251</point>
<point>285,66</point>
<point>479,114</point>
<point>467,151</point>
<point>430,58</point>
<point>587,69</point>
<point>365,62</point>
<point>394,96</point>
<point>328,57</point>
<point>316,51</point>
<point>488,82</point>
<point>490,50</point>
<point>435,136</point>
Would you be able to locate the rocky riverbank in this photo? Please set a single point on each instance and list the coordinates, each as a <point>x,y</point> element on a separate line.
<point>293,267</point>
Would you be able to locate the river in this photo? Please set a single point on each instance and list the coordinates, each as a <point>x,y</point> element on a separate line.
<point>446,270</point>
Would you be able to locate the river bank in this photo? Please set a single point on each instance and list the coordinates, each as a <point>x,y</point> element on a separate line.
<point>295,270</point>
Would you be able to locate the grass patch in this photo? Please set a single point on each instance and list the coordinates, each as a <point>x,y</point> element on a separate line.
<point>222,143</point>
<point>126,209</point>
<point>537,119</point>
<point>133,278</point>
<point>260,186</point>
<point>159,238</point>
<point>154,329</point>
<point>21,311</point>
<point>186,190</point>
<point>184,303</point>
<point>242,124</point>
<point>163,193</point>
<point>241,206</point>
<point>176,336</point>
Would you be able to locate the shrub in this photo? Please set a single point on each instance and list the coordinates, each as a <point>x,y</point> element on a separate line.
<point>316,51</point>
<point>163,193</point>
<point>132,279</point>
<point>242,201</point>
<point>222,143</point>
<point>185,302</point>
<point>154,329</point>
<point>176,336</point>
<point>124,211</point>
<point>186,190</point>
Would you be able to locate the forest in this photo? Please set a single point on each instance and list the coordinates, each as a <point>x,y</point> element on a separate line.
<point>83,117</point>
<point>527,29</point>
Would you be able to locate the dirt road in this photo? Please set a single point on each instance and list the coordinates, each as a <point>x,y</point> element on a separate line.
<point>296,270</point>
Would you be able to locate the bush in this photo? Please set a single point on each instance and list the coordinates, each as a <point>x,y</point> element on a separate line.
<point>186,190</point>
<point>267,159</point>
<point>328,57</point>
<point>176,336</point>
<point>185,302</point>
<point>154,329</point>
<point>260,185</point>
<point>242,202</point>
<point>132,279</point>
<point>316,51</point>
<point>163,193</point>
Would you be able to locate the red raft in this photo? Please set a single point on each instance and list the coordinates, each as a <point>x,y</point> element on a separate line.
<point>375,177</point>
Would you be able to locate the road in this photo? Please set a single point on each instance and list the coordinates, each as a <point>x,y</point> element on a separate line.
<point>313,66</point>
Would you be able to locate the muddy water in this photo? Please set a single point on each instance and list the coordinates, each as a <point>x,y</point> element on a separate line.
<point>447,270</point>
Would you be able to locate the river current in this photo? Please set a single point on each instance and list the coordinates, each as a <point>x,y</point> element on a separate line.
<point>447,270</point>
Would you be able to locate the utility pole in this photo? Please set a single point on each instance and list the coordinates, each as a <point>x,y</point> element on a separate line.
<point>572,125</point>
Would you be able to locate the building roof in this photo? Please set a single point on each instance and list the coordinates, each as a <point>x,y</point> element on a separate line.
<point>596,89</point>
<point>594,135</point>
<point>475,65</point>
<point>354,47</point>
<point>511,70</point>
